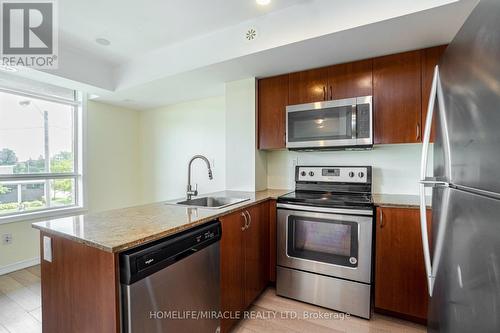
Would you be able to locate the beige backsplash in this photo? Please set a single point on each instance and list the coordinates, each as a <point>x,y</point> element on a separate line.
<point>396,168</point>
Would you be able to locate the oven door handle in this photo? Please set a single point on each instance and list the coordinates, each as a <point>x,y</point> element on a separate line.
<point>350,211</point>
<point>354,116</point>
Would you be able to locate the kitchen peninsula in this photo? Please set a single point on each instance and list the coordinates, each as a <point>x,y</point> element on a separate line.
<point>80,286</point>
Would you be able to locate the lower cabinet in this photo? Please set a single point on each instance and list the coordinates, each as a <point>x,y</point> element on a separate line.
<point>400,277</point>
<point>244,260</point>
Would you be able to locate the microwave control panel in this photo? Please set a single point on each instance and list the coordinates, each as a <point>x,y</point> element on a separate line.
<point>364,121</point>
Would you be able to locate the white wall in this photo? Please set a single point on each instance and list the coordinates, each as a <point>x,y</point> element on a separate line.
<point>113,179</point>
<point>396,168</point>
<point>245,165</point>
<point>170,136</point>
<point>112,176</point>
<point>24,249</point>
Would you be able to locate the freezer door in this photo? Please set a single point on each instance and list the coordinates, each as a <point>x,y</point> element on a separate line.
<point>470,79</point>
<point>466,263</point>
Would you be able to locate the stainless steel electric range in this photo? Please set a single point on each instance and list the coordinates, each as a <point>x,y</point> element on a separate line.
<point>324,239</point>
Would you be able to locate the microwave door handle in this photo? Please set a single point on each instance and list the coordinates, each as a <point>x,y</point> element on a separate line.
<point>354,114</point>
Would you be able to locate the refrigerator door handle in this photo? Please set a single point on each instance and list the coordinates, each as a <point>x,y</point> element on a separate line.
<point>425,240</point>
<point>428,124</point>
<point>436,91</point>
<point>426,181</point>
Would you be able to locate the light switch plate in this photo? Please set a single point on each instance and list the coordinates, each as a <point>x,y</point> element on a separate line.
<point>47,249</point>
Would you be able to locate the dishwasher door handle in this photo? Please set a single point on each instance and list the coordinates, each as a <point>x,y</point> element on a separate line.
<point>185,254</point>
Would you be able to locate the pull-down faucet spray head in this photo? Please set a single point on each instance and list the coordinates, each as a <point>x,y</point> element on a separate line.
<point>194,192</point>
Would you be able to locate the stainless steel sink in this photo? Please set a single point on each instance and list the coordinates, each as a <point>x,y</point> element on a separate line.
<point>210,202</point>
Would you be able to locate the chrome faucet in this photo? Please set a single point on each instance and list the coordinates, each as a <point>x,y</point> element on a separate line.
<point>190,192</point>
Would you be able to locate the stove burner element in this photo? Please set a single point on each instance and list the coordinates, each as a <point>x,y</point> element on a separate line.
<point>328,186</point>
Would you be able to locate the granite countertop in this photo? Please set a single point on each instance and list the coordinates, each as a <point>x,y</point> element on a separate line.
<point>121,229</point>
<point>399,200</point>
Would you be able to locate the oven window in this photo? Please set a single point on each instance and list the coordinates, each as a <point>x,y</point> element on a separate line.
<point>323,124</point>
<point>322,240</point>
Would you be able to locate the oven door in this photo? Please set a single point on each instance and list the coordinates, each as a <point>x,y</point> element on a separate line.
<point>326,243</point>
<point>338,123</point>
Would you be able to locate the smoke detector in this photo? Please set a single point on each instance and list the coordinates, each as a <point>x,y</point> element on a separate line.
<point>251,34</point>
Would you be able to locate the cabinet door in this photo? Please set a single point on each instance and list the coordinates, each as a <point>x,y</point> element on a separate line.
<point>353,79</point>
<point>256,252</point>
<point>430,58</point>
<point>308,86</point>
<point>400,277</point>
<point>232,266</point>
<point>272,102</point>
<point>397,98</point>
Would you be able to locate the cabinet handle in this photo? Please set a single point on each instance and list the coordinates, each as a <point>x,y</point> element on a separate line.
<point>245,225</point>
<point>331,93</point>
<point>324,93</point>
<point>249,219</point>
<point>418,131</point>
<point>381,218</point>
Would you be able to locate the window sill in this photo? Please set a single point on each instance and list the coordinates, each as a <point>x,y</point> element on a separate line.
<point>43,215</point>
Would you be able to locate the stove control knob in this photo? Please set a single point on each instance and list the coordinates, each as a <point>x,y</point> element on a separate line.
<point>303,173</point>
<point>311,173</point>
<point>351,174</point>
<point>361,174</point>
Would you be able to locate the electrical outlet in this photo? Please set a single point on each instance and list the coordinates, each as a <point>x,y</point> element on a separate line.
<point>7,239</point>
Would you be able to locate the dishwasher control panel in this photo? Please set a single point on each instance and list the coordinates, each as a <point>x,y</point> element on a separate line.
<point>206,235</point>
<point>145,260</point>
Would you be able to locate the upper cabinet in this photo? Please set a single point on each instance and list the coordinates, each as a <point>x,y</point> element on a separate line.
<point>272,102</point>
<point>353,79</point>
<point>308,86</point>
<point>399,83</point>
<point>397,98</point>
<point>335,82</point>
<point>430,58</point>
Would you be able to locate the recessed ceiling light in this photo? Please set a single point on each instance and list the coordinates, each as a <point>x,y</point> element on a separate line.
<point>102,41</point>
<point>6,68</point>
<point>263,2</point>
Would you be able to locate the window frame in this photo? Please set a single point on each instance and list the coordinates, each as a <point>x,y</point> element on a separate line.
<point>79,153</point>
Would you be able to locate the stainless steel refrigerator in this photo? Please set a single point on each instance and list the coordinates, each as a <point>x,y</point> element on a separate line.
<point>463,259</point>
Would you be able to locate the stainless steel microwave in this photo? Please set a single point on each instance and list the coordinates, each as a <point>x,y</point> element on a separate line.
<point>337,124</point>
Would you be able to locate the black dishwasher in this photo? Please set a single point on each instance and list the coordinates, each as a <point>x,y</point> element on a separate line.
<point>173,284</point>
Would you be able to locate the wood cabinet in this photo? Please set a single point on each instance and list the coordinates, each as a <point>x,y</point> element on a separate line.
<point>256,240</point>
<point>352,79</point>
<point>232,265</point>
<point>430,58</point>
<point>399,83</point>
<point>275,93</point>
<point>397,98</point>
<point>308,86</point>
<point>80,288</point>
<point>244,259</point>
<point>400,277</point>
<point>272,102</point>
<point>335,82</point>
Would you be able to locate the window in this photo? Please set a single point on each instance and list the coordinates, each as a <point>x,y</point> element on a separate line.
<point>40,151</point>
